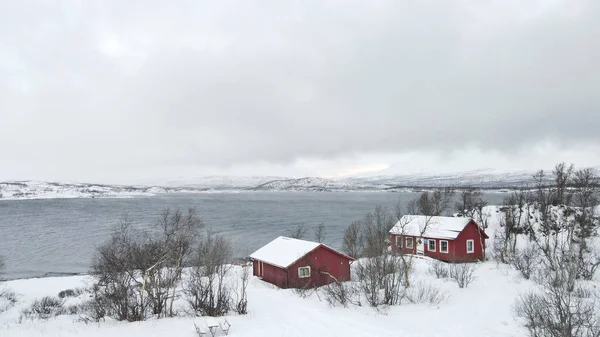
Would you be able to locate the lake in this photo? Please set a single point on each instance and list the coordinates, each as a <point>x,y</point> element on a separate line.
<point>56,236</point>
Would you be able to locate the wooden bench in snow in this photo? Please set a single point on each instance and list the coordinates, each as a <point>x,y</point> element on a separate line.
<point>206,324</point>
<point>210,324</point>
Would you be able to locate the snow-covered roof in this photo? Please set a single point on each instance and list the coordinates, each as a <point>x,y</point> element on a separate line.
<point>284,251</point>
<point>438,227</point>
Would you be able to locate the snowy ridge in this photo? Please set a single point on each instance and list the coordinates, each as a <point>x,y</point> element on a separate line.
<point>483,179</point>
<point>22,190</point>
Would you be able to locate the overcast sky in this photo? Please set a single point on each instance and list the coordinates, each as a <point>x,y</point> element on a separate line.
<point>117,91</point>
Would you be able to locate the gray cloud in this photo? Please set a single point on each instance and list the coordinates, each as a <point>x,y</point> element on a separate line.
<point>112,85</point>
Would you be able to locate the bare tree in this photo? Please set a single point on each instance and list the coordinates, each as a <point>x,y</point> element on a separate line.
<point>562,177</point>
<point>432,204</point>
<point>241,306</point>
<point>352,244</point>
<point>299,232</point>
<point>2,266</point>
<point>468,199</point>
<point>320,233</point>
<point>375,231</point>
<point>206,292</point>
<point>117,291</point>
<point>137,272</point>
<point>179,234</point>
<point>586,183</point>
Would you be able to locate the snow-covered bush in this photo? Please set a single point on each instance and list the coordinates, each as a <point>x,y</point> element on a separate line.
<point>7,299</point>
<point>241,306</point>
<point>341,294</point>
<point>526,261</point>
<point>44,308</point>
<point>70,292</point>
<point>439,269</point>
<point>206,290</point>
<point>558,311</point>
<point>462,273</point>
<point>425,293</point>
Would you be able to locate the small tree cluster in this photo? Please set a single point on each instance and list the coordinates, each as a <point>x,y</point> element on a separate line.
<point>207,291</point>
<point>556,220</point>
<point>563,308</point>
<point>140,273</point>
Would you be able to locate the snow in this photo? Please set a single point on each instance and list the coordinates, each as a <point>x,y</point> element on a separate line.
<point>283,251</point>
<point>482,309</point>
<point>439,227</point>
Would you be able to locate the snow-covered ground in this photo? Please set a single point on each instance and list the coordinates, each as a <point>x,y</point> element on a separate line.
<point>481,309</point>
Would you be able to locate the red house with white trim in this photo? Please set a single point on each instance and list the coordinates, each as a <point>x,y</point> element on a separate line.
<point>451,239</point>
<point>293,263</point>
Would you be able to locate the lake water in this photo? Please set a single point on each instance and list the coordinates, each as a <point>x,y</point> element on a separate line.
<point>41,237</point>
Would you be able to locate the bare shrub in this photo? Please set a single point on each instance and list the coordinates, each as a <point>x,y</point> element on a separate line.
<point>558,312</point>
<point>7,300</point>
<point>462,273</point>
<point>425,293</point>
<point>439,269</point>
<point>381,280</point>
<point>206,291</point>
<point>299,232</point>
<point>2,266</point>
<point>138,272</point>
<point>352,240</point>
<point>341,294</point>
<point>45,308</point>
<point>526,261</point>
<point>320,233</point>
<point>241,306</point>
<point>71,292</point>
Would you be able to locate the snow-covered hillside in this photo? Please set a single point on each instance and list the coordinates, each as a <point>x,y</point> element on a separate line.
<point>17,190</point>
<point>483,179</point>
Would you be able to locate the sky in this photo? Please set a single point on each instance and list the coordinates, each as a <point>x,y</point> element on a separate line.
<point>125,91</point>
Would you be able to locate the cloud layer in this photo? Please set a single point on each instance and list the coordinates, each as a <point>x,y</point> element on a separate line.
<point>112,86</point>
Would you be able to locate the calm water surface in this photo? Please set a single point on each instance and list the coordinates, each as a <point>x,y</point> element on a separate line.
<point>40,237</point>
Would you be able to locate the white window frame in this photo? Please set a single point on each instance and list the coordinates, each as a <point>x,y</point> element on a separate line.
<point>399,241</point>
<point>412,242</point>
<point>300,274</point>
<point>429,241</point>
<point>472,251</point>
<point>447,246</point>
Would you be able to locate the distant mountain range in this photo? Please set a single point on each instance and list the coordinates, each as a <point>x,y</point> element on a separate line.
<point>482,179</point>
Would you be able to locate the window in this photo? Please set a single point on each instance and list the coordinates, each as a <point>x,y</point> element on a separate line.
<point>443,246</point>
<point>470,246</point>
<point>399,241</point>
<point>409,243</point>
<point>431,245</point>
<point>304,272</point>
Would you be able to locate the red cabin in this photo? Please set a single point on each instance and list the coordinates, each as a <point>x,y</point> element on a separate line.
<point>451,239</point>
<point>293,263</point>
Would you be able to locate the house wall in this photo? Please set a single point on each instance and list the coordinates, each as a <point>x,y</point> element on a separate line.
<point>320,260</point>
<point>436,254</point>
<point>272,274</point>
<point>457,248</point>
<point>469,233</point>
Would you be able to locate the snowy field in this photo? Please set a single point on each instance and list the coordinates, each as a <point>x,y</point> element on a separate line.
<point>484,308</point>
